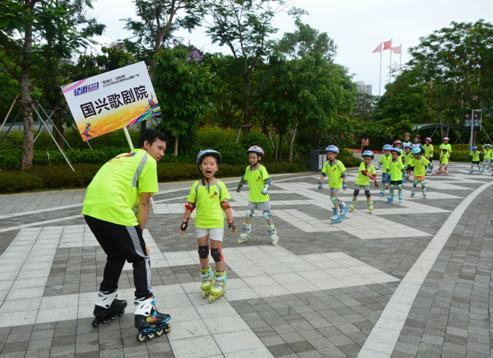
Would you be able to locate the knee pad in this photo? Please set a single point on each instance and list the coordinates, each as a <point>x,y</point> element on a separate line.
<point>334,200</point>
<point>217,254</point>
<point>248,213</point>
<point>203,252</point>
<point>267,215</point>
<point>356,192</point>
<point>367,193</point>
<point>399,186</point>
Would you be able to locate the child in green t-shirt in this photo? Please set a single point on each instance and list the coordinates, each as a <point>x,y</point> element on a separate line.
<point>334,170</point>
<point>384,162</point>
<point>366,172</point>
<point>444,157</point>
<point>211,199</point>
<point>487,157</point>
<point>258,181</point>
<point>406,160</point>
<point>396,174</point>
<point>428,153</point>
<point>475,159</point>
<point>420,163</point>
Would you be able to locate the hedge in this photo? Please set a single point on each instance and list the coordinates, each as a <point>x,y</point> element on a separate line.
<point>60,176</point>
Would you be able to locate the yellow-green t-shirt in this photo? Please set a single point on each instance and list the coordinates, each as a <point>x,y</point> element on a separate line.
<point>384,161</point>
<point>396,167</point>
<point>444,157</point>
<point>475,156</point>
<point>488,154</point>
<point>114,191</point>
<point>446,146</point>
<point>420,166</point>
<point>428,150</point>
<point>361,178</point>
<point>207,200</point>
<point>334,173</point>
<point>256,180</point>
<point>408,157</point>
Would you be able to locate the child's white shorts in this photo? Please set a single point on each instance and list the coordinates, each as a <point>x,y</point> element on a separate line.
<point>214,234</point>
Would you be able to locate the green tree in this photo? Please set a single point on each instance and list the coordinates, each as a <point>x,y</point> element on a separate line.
<point>456,64</point>
<point>244,26</point>
<point>182,83</point>
<point>29,27</point>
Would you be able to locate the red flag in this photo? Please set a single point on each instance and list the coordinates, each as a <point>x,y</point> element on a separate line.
<point>397,49</point>
<point>387,45</point>
<point>378,49</point>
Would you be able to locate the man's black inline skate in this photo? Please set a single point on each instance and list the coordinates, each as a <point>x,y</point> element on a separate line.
<point>148,321</point>
<point>107,308</point>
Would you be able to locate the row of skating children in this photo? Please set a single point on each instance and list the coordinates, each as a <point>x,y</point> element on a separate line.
<point>475,155</point>
<point>210,198</point>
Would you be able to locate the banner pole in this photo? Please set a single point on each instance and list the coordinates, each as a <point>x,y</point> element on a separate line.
<point>129,140</point>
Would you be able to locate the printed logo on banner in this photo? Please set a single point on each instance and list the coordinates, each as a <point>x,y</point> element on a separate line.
<point>112,100</point>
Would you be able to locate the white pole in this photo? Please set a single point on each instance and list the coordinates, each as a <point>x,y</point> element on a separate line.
<point>390,65</point>
<point>472,128</point>
<point>129,140</point>
<point>380,76</point>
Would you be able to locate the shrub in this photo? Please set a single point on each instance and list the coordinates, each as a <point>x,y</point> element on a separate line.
<point>15,181</point>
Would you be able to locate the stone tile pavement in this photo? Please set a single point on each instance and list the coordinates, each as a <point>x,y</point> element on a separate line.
<point>326,291</point>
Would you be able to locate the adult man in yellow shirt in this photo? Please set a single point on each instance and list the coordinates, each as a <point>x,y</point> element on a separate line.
<point>122,184</point>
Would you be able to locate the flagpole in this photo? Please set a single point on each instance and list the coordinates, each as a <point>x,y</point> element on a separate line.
<point>380,76</point>
<point>390,65</point>
<point>400,57</point>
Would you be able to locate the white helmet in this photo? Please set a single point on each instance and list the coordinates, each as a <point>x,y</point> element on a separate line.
<point>256,149</point>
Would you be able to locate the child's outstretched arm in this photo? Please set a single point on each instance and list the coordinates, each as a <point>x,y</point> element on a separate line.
<point>240,184</point>
<point>189,207</point>
<point>229,215</point>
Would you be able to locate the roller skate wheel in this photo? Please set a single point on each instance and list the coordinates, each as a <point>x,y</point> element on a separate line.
<point>205,294</point>
<point>151,335</point>
<point>141,337</point>
<point>211,299</point>
<point>167,328</point>
<point>95,323</point>
<point>159,332</point>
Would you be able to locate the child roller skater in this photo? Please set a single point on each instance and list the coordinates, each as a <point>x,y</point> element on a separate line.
<point>428,154</point>
<point>335,171</point>
<point>396,173</point>
<point>210,197</point>
<point>258,181</point>
<point>366,172</point>
<point>487,157</point>
<point>420,163</point>
<point>475,159</point>
<point>384,162</point>
<point>444,157</point>
<point>406,160</point>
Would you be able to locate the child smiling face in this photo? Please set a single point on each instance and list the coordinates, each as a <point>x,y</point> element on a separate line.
<point>253,158</point>
<point>209,167</point>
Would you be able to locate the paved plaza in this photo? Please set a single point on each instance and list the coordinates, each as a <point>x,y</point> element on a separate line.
<point>411,280</point>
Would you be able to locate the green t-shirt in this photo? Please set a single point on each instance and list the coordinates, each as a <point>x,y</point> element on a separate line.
<point>384,161</point>
<point>446,146</point>
<point>334,173</point>
<point>428,150</point>
<point>256,180</point>
<point>361,178</point>
<point>408,157</point>
<point>207,200</point>
<point>420,166</point>
<point>114,191</point>
<point>396,167</point>
<point>488,154</point>
<point>444,157</point>
<point>475,156</point>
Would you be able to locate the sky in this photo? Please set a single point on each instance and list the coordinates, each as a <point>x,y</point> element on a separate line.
<point>357,27</point>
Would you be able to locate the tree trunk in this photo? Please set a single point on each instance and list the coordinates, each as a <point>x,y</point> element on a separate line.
<point>175,152</point>
<point>291,144</point>
<point>279,146</point>
<point>26,102</point>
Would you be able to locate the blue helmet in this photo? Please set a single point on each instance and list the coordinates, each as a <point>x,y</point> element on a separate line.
<point>416,150</point>
<point>387,147</point>
<point>368,153</point>
<point>332,149</point>
<point>474,147</point>
<point>208,152</point>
